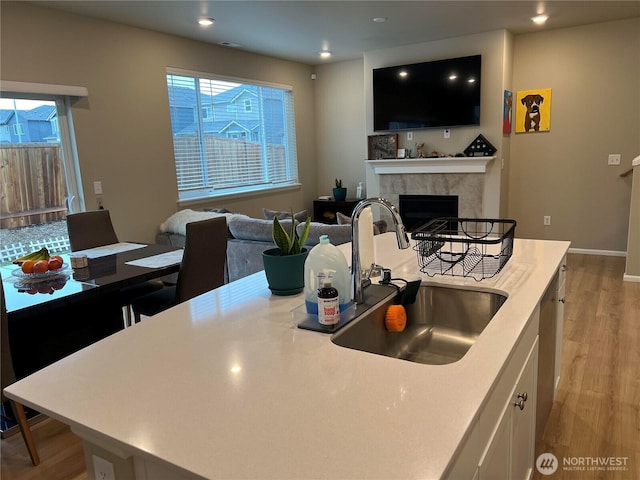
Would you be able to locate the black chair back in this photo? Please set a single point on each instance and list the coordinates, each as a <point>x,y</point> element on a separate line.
<point>90,229</point>
<point>204,257</point>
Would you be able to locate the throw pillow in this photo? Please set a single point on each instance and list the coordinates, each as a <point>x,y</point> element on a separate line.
<point>377,225</point>
<point>343,219</point>
<point>300,216</point>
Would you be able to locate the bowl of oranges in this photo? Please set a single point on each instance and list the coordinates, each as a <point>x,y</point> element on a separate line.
<point>39,266</point>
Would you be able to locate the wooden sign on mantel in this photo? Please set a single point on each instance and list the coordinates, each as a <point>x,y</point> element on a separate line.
<point>383,146</point>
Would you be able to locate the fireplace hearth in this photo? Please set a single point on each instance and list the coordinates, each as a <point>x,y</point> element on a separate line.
<point>416,210</point>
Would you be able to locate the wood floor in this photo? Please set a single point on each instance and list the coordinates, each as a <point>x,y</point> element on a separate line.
<point>60,450</point>
<point>596,412</point>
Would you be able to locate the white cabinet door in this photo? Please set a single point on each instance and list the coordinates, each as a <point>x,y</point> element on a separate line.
<point>559,332</point>
<point>494,464</point>
<point>523,419</point>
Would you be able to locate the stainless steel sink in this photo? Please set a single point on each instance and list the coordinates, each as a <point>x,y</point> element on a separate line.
<point>442,325</point>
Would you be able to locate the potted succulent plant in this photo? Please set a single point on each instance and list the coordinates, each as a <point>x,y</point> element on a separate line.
<point>339,192</point>
<point>284,264</point>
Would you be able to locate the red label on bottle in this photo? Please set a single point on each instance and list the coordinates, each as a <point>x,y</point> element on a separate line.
<point>328,311</point>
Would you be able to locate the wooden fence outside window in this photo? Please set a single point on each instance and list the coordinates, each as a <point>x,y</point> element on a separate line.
<point>32,184</point>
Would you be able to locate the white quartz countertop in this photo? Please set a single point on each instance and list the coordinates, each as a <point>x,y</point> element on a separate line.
<point>225,386</point>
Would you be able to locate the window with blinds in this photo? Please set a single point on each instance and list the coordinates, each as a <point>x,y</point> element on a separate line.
<point>230,136</point>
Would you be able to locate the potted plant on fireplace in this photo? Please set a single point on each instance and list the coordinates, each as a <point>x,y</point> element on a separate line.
<point>284,264</point>
<point>339,192</point>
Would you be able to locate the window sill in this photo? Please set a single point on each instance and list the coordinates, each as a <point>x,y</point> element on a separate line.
<point>207,199</point>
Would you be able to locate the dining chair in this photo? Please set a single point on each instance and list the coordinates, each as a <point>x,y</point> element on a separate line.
<point>202,268</point>
<point>90,229</point>
<point>8,377</point>
<point>95,229</point>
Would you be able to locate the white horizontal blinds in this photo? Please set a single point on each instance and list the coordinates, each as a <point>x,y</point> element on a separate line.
<point>283,164</point>
<point>230,136</point>
<point>233,140</point>
<point>183,107</point>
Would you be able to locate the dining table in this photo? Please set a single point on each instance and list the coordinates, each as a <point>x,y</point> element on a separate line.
<point>58,313</point>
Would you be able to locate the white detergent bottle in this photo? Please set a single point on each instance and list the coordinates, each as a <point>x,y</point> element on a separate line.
<point>326,257</point>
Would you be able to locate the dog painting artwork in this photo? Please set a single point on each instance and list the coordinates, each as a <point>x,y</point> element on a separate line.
<point>533,111</point>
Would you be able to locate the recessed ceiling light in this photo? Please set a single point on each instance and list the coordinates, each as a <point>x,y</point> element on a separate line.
<point>380,19</point>
<point>540,19</point>
<point>206,21</point>
<point>325,54</point>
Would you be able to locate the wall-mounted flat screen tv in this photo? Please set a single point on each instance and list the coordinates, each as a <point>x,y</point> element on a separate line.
<point>441,93</point>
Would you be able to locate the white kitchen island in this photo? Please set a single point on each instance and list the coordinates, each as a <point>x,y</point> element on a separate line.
<point>225,386</point>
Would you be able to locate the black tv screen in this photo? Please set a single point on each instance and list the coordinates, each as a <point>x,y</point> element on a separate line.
<point>441,93</point>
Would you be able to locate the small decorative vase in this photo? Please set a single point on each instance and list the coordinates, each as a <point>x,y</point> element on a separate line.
<point>285,273</point>
<point>339,194</point>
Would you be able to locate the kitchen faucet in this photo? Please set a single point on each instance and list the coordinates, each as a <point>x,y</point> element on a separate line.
<point>356,267</point>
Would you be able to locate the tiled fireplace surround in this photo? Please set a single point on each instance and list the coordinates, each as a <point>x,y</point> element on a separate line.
<point>467,186</point>
<point>453,176</point>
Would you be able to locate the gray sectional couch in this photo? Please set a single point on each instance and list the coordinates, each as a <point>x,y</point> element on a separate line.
<point>249,237</point>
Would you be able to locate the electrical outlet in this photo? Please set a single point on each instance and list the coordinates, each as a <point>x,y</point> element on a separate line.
<point>447,133</point>
<point>614,159</point>
<point>547,220</point>
<point>409,136</point>
<point>103,469</point>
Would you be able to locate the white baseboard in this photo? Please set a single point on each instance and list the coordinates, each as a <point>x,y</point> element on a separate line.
<point>606,253</point>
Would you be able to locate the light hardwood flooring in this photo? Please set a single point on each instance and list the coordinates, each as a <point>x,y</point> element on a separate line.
<point>597,409</point>
<point>596,412</point>
<point>60,451</point>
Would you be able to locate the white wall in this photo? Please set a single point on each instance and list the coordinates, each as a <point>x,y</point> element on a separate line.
<point>340,120</point>
<point>594,74</point>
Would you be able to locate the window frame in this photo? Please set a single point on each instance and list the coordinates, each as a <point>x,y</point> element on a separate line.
<point>207,191</point>
<point>62,96</point>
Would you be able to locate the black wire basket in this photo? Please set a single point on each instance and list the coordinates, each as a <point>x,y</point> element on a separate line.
<point>464,247</point>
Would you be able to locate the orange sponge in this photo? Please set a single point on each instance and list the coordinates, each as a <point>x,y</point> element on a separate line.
<point>395,318</point>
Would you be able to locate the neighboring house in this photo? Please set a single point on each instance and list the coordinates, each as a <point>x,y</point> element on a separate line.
<point>39,124</point>
<point>234,113</point>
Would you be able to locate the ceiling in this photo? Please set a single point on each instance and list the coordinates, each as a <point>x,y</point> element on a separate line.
<point>299,30</point>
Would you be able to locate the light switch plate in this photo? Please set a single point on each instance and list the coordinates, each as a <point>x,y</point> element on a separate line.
<point>614,159</point>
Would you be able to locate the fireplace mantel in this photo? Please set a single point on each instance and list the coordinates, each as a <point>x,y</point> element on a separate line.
<point>471,178</point>
<point>429,165</point>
